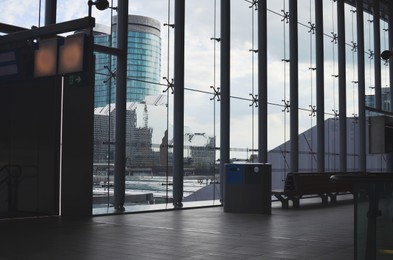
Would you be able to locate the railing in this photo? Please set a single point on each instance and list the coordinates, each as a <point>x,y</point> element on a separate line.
<point>373,214</point>
<point>9,176</point>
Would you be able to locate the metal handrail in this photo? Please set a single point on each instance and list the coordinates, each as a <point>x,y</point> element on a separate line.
<point>11,180</point>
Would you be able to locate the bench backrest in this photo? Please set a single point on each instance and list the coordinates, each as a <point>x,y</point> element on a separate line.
<point>314,183</point>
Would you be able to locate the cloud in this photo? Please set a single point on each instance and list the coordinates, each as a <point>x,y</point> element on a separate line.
<point>23,15</point>
<point>200,72</point>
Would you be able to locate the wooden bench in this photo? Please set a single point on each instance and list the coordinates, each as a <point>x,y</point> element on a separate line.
<point>298,185</point>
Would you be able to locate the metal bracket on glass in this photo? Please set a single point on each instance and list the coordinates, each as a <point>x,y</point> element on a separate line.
<point>286,106</point>
<point>254,3</point>
<point>216,93</point>
<point>312,28</point>
<point>112,75</point>
<point>285,16</point>
<point>334,37</point>
<point>170,85</point>
<point>216,39</point>
<point>254,100</point>
<point>170,25</point>
<point>313,110</point>
<point>254,51</point>
<point>370,54</point>
<point>354,46</point>
<point>336,114</point>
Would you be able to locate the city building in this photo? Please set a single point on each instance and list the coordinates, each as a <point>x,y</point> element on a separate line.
<point>47,142</point>
<point>143,60</point>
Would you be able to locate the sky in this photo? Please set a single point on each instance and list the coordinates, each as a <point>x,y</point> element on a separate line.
<point>202,60</point>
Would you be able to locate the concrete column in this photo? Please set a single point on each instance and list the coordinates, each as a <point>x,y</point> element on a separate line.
<point>391,49</point>
<point>390,21</point>
<point>50,11</point>
<point>342,94</point>
<point>225,89</point>
<point>377,56</point>
<point>121,99</point>
<point>262,82</point>
<point>320,69</point>
<point>361,85</point>
<point>178,130</point>
<point>294,85</point>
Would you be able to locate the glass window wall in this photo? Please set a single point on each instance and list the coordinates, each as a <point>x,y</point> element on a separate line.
<point>149,145</point>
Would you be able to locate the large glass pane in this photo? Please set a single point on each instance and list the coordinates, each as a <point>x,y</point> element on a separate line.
<point>148,141</point>
<point>373,220</point>
<point>279,146</point>
<point>104,137</point>
<point>201,111</point>
<point>150,106</point>
<point>307,142</point>
<point>201,165</point>
<point>243,131</point>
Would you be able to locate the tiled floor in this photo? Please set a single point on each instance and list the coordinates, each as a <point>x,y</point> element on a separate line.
<point>311,232</point>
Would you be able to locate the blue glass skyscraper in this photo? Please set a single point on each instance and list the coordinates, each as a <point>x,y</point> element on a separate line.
<point>102,93</point>
<point>143,61</point>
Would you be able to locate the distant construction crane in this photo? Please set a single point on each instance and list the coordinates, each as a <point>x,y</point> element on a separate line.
<point>145,117</point>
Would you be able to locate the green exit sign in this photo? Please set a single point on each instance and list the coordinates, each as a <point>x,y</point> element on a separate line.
<point>75,79</point>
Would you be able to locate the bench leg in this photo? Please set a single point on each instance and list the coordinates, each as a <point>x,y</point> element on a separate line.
<point>296,202</point>
<point>284,204</point>
<point>324,198</point>
<point>333,198</point>
<point>284,201</point>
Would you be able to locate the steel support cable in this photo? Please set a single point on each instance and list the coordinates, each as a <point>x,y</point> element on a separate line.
<point>284,15</point>
<point>370,54</point>
<point>216,95</point>
<point>111,75</point>
<point>312,70</point>
<point>371,70</point>
<point>168,85</point>
<point>386,62</point>
<point>286,102</point>
<point>332,37</point>
<point>335,77</point>
<point>354,84</point>
<point>253,52</point>
<point>386,157</point>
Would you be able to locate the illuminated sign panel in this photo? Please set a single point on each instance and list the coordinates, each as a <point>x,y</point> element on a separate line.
<point>51,58</point>
<point>45,58</point>
<point>71,54</point>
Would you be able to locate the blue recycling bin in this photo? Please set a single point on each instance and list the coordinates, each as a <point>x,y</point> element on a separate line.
<point>247,188</point>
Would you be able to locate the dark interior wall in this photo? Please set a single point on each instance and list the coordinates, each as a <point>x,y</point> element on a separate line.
<point>77,155</point>
<point>77,140</point>
<point>30,116</point>
<point>30,123</point>
<point>50,139</point>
